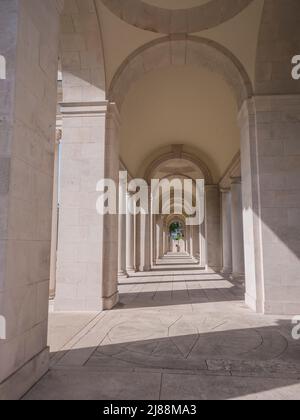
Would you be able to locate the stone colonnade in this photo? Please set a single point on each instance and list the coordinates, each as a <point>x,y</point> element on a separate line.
<point>87,266</point>
<point>218,244</point>
<point>233,261</point>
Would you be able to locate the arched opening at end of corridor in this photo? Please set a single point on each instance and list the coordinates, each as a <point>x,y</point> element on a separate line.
<point>177,235</point>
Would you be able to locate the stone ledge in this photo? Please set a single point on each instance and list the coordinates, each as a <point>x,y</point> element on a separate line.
<point>83,108</point>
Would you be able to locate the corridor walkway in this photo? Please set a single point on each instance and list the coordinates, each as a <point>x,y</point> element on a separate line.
<point>177,333</point>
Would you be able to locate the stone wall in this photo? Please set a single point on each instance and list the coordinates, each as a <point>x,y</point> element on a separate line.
<point>271,191</point>
<point>278,42</point>
<point>87,242</point>
<point>29,41</point>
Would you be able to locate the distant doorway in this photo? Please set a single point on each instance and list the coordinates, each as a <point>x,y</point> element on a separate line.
<point>177,234</point>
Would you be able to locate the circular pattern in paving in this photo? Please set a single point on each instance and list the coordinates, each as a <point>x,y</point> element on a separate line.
<point>188,343</point>
<point>152,18</point>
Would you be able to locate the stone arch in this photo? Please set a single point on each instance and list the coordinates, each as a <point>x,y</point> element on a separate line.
<point>187,20</point>
<point>82,53</point>
<point>175,205</point>
<point>173,218</point>
<point>179,51</point>
<point>175,154</point>
<point>274,53</point>
<point>88,120</point>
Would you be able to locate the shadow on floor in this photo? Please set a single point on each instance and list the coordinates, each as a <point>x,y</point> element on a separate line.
<point>174,273</point>
<point>152,291</point>
<point>254,363</point>
<point>178,297</point>
<point>173,268</point>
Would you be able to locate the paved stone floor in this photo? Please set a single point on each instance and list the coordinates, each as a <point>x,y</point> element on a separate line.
<point>178,333</point>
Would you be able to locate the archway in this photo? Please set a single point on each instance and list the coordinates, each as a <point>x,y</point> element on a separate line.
<point>170,172</point>
<point>180,51</point>
<point>177,233</point>
<point>88,263</point>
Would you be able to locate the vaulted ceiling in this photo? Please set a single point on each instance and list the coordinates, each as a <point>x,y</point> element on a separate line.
<point>184,105</point>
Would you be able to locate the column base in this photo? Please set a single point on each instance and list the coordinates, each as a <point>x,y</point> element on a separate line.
<point>77,305</point>
<point>145,269</point>
<point>213,269</point>
<point>130,271</point>
<point>20,382</point>
<point>110,302</point>
<point>227,271</point>
<point>281,308</point>
<point>122,275</point>
<point>238,276</point>
<point>251,302</point>
<point>272,307</point>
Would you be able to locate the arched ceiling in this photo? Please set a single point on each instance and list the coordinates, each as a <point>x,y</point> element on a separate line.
<point>120,38</point>
<point>180,168</point>
<point>162,17</point>
<point>180,105</point>
<point>182,51</point>
<point>174,162</point>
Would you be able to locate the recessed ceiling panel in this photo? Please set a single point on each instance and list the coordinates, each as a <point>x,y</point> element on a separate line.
<point>174,17</point>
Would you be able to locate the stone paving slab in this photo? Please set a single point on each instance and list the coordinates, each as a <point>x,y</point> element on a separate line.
<point>177,339</point>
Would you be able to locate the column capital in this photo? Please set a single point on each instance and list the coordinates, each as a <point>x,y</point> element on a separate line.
<point>83,108</point>
<point>236,180</point>
<point>225,190</point>
<point>211,187</point>
<point>89,109</point>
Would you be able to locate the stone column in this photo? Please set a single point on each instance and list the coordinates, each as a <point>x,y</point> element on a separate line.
<point>138,242</point>
<point>145,242</point>
<point>213,237</point>
<point>145,237</point>
<point>165,240</point>
<point>196,242</point>
<point>161,238</point>
<point>238,261</point>
<point>130,264</point>
<point>271,190</point>
<point>88,240</point>
<point>163,244</point>
<point>29,42</point>
<point>54,231</point>
<point>192,241</point>
<point>122,246</point>
<point>168,245</point>
<point>226,231</point>
<point>187,239</point>
<point>153,236</point>
<point>203,246</point>
<point>158,236</point>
